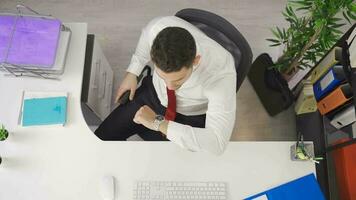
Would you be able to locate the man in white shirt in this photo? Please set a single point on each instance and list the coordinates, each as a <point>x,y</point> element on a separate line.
<point>191,97</point>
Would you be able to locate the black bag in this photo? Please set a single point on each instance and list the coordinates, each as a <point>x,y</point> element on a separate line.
<point>271,88</point>
<point>275,81</point>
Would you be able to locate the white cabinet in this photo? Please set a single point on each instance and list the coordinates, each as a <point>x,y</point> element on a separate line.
<point>97,81</point>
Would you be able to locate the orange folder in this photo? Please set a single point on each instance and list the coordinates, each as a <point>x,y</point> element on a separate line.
<point>335,99</point>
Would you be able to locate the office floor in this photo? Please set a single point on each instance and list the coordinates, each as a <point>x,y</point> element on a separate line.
<point>117,23</point>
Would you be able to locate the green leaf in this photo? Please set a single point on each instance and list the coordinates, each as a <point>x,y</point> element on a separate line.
<point>346,17</point>
<point>280,32</point>
<point>275,33</point>
<point>351,15</point>
<point>284,33</point>
<point>302,3</point>
<point>336,25</point>
<point>304,8</point>
<point>336,31</point>
<point>352,7</point>
<point>274,45</point>
<point>289,12</point>
<point>274,40</point>
<point>335,19</point>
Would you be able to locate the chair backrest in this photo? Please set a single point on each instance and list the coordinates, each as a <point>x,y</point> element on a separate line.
<point>224,33</point>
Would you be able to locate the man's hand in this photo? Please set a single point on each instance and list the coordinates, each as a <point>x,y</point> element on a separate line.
<point>129,83</point>
<point>145,116</point>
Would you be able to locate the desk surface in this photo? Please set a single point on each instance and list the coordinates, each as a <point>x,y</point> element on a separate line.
<point>69,162</point>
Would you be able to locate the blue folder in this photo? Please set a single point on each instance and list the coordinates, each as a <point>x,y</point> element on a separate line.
<point>327,83</point>
<point>305,188</point>
<point>44,111</point>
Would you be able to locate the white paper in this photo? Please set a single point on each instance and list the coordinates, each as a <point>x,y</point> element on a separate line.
<point>263,197</point>
<point>328,78</point>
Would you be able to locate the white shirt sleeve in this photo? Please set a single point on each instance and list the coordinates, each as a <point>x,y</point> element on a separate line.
<point>142,54</point>
<point>219,124</point>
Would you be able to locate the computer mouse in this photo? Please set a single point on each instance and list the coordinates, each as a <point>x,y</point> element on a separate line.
<point>107,188</point>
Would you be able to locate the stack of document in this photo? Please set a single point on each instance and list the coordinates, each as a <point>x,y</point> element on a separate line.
<point>44,108</point>
<point>306,102</point>
<point>33,45</point>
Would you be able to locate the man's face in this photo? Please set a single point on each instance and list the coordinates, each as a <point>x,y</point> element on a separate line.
<point>174,80</point>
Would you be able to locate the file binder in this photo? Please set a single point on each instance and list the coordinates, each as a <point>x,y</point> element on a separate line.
<point>332,58</point>
<point>333,78</point>
<point>44,108</point>
<point>335,99</point>
<point>339,109</point>
<point>344,118</point>
<point>305,188</point>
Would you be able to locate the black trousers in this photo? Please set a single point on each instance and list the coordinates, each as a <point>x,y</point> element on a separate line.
<point>119,125</point>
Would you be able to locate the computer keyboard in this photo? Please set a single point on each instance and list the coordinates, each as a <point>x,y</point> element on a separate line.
<point>172,190</point>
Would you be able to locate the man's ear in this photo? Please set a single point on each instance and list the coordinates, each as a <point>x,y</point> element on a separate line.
<point>196,60</point>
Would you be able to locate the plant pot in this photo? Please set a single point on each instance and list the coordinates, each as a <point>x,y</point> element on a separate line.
<point>4,136</point>
<point>290,75</point>
<point>270,86</point>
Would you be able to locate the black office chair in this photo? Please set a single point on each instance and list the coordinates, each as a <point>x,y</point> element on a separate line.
<point>224,33</point>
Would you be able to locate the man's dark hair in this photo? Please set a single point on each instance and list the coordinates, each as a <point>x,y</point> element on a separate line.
<point>172,49</point>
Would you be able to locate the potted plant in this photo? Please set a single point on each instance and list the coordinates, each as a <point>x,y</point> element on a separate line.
<point>312,31</point>
<point>3,133</point>
<point>314,27</point>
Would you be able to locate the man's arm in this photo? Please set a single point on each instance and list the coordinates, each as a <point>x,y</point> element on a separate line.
<point>219,124</point>
<point>139,59</point>
<point>142,54</point>
<point>220,120</point>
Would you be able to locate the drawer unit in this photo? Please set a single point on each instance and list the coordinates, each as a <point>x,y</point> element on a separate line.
<point>97,80</point>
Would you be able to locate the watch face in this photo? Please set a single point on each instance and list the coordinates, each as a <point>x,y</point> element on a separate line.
<point>159,117</point>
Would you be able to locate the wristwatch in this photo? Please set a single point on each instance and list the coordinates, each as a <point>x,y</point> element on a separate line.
<point>157,122</point>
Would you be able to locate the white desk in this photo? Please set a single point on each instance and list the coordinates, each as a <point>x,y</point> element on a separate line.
<point>68,162</point>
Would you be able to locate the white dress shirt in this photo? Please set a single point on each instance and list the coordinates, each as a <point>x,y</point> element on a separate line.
<point>210,90</point>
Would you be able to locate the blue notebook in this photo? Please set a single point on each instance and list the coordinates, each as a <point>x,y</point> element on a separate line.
<point>306,188</point>
<point>333,78</point>
<point>44,111</point>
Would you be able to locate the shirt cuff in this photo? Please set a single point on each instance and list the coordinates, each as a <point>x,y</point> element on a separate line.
<point>174,131</point>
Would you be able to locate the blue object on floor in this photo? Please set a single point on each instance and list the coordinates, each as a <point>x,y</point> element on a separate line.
<point>44,111</point>
<point>306,188</point>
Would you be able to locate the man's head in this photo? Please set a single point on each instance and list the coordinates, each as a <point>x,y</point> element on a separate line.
<point>174,53</point>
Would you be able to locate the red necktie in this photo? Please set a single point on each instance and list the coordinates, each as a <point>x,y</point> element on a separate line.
<point>171,108</point>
